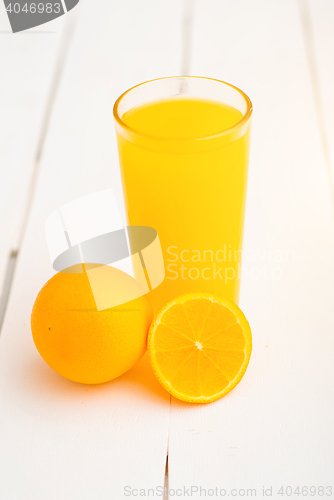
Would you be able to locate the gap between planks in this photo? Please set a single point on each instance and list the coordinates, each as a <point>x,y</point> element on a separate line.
<point>307,29</point>
<point>187,28</point>
<point>65,42</point>
<point>166,494</point>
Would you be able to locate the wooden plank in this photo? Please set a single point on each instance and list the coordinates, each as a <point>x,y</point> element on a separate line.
<point>275,429</point>
<point>60,439</point>
<point>27,68</point>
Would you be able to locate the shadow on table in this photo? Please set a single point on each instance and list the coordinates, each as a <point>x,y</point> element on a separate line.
<point>37,389</point>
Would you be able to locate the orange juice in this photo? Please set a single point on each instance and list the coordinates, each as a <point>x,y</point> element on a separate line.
<point>186,178</point>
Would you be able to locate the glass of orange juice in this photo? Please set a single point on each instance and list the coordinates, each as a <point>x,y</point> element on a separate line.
<point>183,146</point>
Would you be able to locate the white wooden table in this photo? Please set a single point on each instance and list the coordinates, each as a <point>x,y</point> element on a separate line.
<point>60,440</point>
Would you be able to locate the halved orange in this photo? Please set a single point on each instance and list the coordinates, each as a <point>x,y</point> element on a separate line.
<point>199,346</point>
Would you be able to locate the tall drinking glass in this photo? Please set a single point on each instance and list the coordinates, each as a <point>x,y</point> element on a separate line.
<point>183,148</point>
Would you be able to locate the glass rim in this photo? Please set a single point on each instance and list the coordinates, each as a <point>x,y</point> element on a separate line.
<point>227,131</point>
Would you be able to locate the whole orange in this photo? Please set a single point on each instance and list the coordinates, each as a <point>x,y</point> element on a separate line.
<point>78,341</point>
